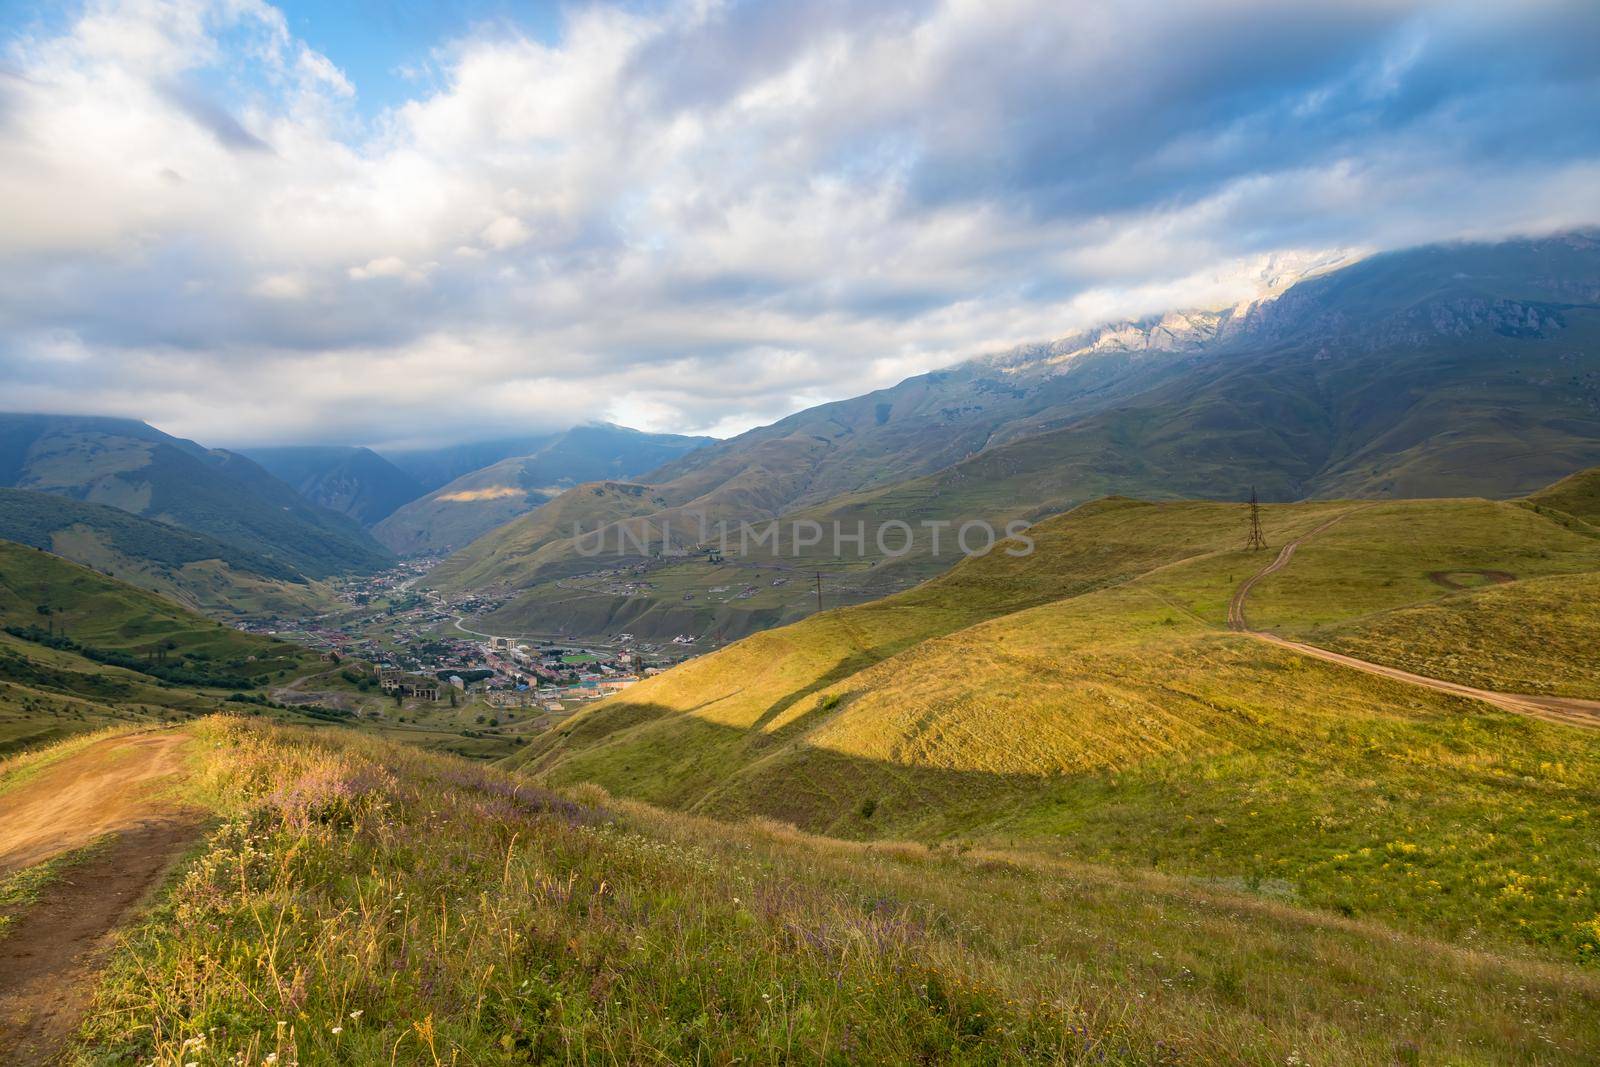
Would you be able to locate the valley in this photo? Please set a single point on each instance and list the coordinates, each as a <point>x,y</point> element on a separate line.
<point>1458,370</point>
<point>920,533</point>
<point>576,744</point>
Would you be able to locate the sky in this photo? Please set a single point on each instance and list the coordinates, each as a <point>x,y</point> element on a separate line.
<point>409,224</point>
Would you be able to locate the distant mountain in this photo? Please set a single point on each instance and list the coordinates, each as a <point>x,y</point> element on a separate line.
<point>197,571</point>
<point>1450,370</point>
<point>435,467</point>
<point>352,481</point>
<point>127,464</point>
<point>476,503</point>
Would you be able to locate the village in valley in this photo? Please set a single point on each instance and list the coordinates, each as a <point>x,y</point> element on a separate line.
<point>406,660</point>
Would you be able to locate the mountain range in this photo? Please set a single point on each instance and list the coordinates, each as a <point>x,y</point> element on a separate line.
<point>480,500</point>
<point>1448,370</point>
<point>233,533</point>
<point>127,464</point>
<point>1464,369</point>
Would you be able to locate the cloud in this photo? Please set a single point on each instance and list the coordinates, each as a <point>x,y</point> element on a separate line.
<point>223,126</point>
<point>703,214</point>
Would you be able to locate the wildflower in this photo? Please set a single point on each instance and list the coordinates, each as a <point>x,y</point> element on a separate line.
<point>338,1029</point>
<point>356,1014</point>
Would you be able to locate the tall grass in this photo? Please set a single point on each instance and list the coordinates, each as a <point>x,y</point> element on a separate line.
<point>367,903</point>
<point>364,903</point>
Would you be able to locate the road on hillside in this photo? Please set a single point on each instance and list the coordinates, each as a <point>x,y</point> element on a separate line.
<point>461,624</point>
<point>109,793</point>
<point>1565,710</point>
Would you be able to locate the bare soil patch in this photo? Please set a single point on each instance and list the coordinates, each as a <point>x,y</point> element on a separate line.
<point>49,956</point>
<point>1465,579</point>
<point>49,959</point>
<point>107,788</point>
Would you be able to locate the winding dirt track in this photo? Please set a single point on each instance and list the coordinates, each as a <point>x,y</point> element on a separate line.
<point>110,792</point>
<point>1569,711</point>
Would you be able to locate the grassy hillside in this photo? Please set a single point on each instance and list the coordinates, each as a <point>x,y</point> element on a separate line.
<point>194,570</point>
<point>1577,495</point>
<point>80,650</point>
<point>47,695</point>
<point>518,553</point>
<point>1088,700</point>
<point>1534,636</point>
<point>129,465</point>
<point>478,501</point>
<point>42,590</point>
<point>425,910</point>
<point>467,508</point>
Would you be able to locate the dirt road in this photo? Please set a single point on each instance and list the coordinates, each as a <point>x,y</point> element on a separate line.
<point>1236,616</point>
<point>111,792</point>
<point>1565,710</point>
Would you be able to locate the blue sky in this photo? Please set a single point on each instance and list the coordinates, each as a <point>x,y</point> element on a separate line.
<point>386,49</point>
<point>379,224</point>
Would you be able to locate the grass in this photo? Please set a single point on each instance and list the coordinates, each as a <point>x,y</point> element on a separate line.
<point>199,572</point>
<point>47,693</point>
<point>38,589</point>
<point>1536,636</point>
<point>364,902</point>
<point>1577,495</point>
<point>1089,702</point>
<point>1394,555</point>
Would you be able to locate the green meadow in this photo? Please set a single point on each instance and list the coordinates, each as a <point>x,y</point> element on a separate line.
<point>361,902</point>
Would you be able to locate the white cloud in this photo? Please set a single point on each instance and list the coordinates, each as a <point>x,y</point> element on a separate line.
<point>282,287</point>
<point>702,216</point>
<point>505,232</point>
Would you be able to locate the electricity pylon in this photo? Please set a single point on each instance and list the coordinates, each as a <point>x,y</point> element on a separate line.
<point>1258,540</point>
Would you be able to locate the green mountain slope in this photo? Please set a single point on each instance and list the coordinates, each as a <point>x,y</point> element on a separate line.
<point>80,650</point>
<point>132,466</point>
<point>481,500</point>
<point>197,571</point>
<point>1469,370</point>
<point>1090,699</point>
<point>102,612</point>
<point>352,481</point>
